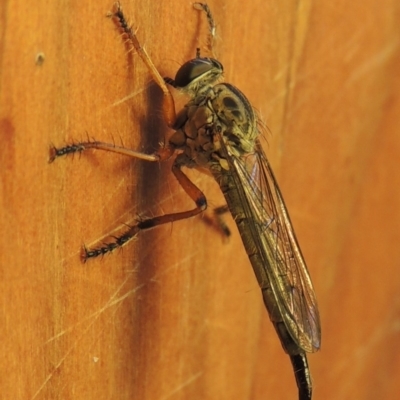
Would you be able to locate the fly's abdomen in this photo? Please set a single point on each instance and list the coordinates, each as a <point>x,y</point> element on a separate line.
<point>234,193</point>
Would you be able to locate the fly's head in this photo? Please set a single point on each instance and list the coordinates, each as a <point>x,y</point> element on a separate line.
<point>197,76</point>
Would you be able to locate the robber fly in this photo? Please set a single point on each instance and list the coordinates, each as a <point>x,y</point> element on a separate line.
<point>218,130</point>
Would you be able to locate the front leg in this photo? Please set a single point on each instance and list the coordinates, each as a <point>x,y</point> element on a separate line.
<point>132,42</point>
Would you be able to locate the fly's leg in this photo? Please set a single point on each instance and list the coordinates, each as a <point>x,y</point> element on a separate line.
<point>190,188</point>
<point>211,26</point>
<point>302,375</point>
<point>161,155</point>
<point>132,42</point>
<point>217,222</point>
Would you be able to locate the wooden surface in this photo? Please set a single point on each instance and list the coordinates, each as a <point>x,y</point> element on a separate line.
<point>178,314</point>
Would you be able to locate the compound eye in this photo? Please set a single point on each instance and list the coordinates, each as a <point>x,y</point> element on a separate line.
<point>197,68</point>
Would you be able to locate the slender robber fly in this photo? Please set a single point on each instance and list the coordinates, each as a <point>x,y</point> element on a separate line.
<point>218,130</point>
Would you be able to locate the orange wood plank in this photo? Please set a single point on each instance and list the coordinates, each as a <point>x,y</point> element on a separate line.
<point>178,314</point>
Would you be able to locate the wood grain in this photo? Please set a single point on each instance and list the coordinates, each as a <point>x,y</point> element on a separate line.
<point>178,314</point>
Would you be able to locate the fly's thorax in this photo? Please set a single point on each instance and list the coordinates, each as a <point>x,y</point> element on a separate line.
<point>220,113</point>
<point>237,118</point>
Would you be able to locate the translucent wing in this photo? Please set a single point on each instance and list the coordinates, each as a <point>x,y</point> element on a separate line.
<point>270,229</point>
